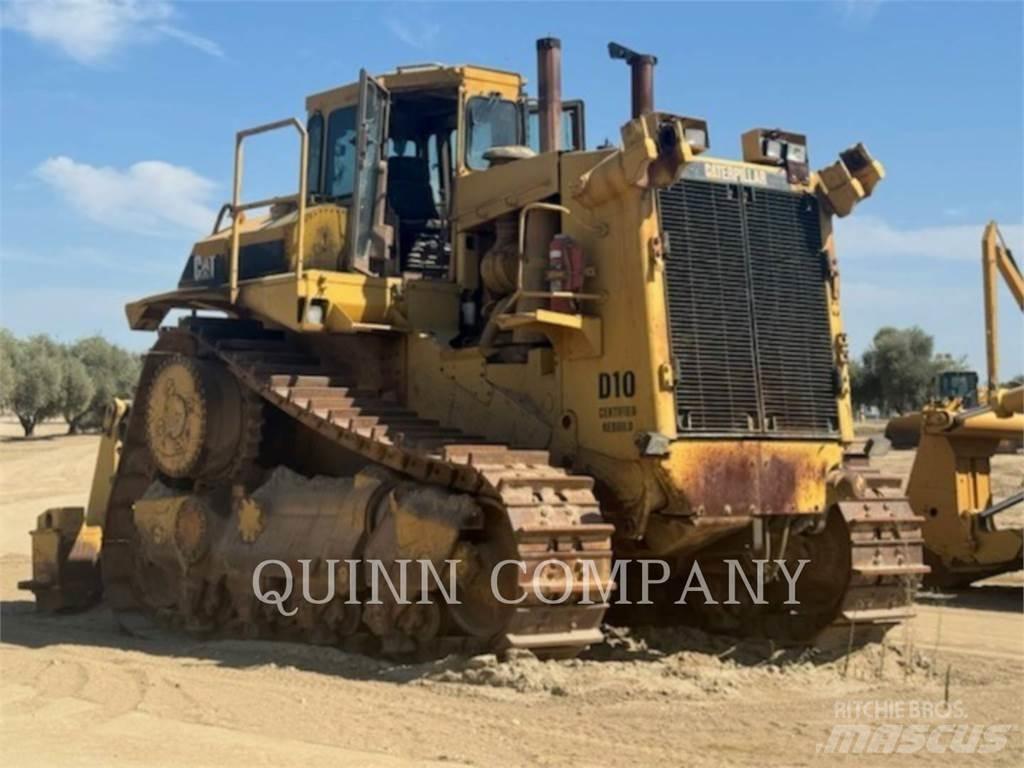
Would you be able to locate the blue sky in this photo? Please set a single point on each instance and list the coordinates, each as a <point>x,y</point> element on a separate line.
<point>118,121</point>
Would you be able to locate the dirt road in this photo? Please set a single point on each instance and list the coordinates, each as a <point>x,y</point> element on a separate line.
<point>83,690</point>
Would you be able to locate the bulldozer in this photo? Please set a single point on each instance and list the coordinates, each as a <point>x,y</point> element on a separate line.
<point>468,339</point>
<point>950,481</point>
<point>950,487</point>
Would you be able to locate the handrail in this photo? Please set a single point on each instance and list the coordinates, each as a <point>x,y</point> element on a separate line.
<point>220,217</point>
<point>519,293</point>
<point>237,206</point>
<point>507,305</point>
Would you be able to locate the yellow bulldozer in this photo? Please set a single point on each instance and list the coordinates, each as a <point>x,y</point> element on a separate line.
<point>961,389</point>
<point>467,338</point>
<point>950,488</point>
<point>950,484</point>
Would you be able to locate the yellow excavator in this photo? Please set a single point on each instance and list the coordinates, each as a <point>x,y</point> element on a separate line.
<point>950,482</point>
<point>962,389</point>
<point>469,338</point>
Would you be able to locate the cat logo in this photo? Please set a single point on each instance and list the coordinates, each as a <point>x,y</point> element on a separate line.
<point>204,267</point>
<point>733,174</point>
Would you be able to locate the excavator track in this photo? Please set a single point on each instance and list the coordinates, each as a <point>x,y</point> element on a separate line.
<point>553,515</point>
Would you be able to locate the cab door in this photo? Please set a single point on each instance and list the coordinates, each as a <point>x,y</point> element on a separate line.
<point>369,187</point>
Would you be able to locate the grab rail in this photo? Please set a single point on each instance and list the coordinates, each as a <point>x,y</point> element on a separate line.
<point>520,292</point>
<point>237,206</point>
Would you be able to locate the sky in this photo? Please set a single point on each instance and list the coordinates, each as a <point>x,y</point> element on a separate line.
<point>117,124</point>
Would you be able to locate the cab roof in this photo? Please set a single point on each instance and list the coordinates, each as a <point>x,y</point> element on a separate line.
<point>476,81</point>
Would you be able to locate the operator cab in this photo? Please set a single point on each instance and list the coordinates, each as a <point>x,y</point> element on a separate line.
<point>383,160</point>
<point>422,136</point>
<point>412,136</point>
<point>420,128</point>
<point>958,385</point>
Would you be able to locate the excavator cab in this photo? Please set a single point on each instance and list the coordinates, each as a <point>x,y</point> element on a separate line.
<point>958,385</point>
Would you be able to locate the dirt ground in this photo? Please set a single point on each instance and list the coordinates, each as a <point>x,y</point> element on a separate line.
<point>84,690</point>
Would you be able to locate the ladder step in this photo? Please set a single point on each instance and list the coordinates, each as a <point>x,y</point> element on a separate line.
<point>306,392</point>
<point>276,370</point>
<point>299,380</point>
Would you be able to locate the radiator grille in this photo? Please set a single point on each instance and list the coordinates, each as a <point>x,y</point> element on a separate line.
<point>747,310</point>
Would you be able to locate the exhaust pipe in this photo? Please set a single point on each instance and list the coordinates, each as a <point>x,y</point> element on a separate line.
<point>549,92</point>
<point>641,67</point>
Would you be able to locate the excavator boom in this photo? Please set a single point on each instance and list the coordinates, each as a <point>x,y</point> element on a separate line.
<point>997,257</point>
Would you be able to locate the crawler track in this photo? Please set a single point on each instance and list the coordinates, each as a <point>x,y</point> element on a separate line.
<point>886,561</point>
<point>552,515</point>
<point>870,552</point>
<point>863,568</point>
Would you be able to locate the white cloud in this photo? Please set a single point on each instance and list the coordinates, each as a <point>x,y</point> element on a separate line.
<point>421,35</point>
<point>926,276</point>
<point>150,197</point>
<point>873,237</point>
<point>91,30</point>
<point>860,11</point>
<point>198,42</point>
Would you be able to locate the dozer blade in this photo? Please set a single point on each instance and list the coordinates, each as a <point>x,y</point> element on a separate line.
<point>65,561</point>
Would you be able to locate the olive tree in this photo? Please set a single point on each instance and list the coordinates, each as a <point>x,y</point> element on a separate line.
<point>36,391</point>
<point>8,346</point>
<point>113,372</point>
<point>898,370</point>
<point>76,392</point>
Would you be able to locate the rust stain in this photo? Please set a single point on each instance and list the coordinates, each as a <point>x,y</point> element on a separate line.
<point>743,479</point>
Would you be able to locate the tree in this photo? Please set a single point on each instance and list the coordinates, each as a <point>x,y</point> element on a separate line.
<point>40,378</point>
<point>8,347</point>
<point>37,382</point>
<point>113,371</point>
<point>897,372</point>
<point>864,385</point>
<point>76,392</point>
<point>901,359</point>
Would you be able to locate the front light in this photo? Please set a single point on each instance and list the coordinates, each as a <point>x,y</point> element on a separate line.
<point>796,153</point>
<point>772,149</point>
<point>697,138</point>
<point>315,313</point>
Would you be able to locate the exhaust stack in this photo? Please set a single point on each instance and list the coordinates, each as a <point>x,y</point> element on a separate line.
<point>641,68</point>
<point>549,92</point>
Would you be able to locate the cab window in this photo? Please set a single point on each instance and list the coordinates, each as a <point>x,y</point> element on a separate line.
<point>573,137</point>
<point>341,152</point>
<point>492,122</point>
